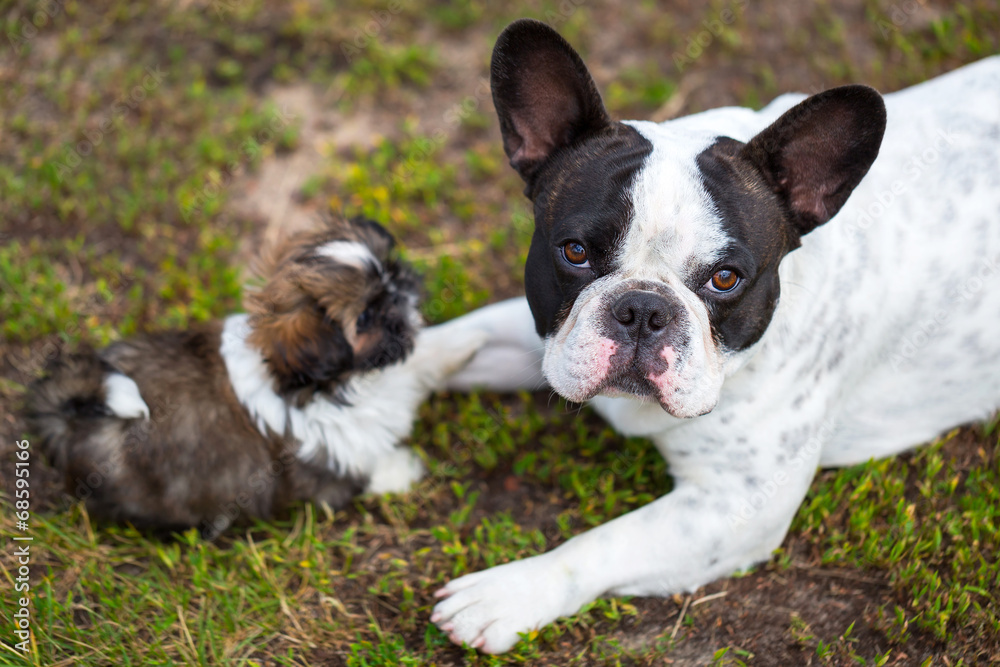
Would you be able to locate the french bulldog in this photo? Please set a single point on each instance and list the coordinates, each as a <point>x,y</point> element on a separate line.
<point>760,293</point>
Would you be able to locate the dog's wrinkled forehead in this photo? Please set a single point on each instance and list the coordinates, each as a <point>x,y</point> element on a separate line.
<point>675,228</point>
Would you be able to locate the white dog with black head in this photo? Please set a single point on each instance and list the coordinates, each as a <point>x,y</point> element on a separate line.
<point>653,286</point>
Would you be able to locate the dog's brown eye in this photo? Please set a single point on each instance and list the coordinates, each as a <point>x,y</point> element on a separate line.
<point>575,254</point>
<point>724,281</point>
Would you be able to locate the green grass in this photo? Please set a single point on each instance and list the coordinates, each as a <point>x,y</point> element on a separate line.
<point>931,521</point>
<point>116,216</point>
<point>35,300</point>
<point>113,595</point>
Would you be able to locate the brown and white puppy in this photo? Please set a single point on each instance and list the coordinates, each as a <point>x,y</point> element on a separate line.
<point>303,398</point>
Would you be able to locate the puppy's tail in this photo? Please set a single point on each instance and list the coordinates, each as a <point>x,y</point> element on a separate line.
<point>78,392</point>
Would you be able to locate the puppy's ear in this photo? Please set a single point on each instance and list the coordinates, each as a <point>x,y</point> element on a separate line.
<point>301,347</point>
<point>543,93</point>
<point>375,236</point>
<point>818,151</point>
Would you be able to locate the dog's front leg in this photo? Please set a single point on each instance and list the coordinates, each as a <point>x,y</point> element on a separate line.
<point>722,516</point>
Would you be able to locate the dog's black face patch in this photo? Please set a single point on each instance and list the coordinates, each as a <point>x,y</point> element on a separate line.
<point>757,225</point>
<point>787,180</point>
<point>581,195</point>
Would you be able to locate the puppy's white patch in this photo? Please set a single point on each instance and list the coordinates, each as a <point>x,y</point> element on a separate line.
<point>381,405</point>
<point>123,397</point>
<point>396,472</point>
<point>344,438</point>
<point>350,253</point>
<point>249,377</point>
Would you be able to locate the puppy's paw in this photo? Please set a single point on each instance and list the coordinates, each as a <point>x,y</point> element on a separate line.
<point>396,472</point>
<point>464,348</point>
<point>487,609</point>
<point>443,350</point>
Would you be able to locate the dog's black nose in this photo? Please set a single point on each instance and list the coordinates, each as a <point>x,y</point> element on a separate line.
<point>640,313</point>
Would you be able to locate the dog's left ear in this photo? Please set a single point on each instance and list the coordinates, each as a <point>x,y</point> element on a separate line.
<point>543,93</point>
<point>818,151</point>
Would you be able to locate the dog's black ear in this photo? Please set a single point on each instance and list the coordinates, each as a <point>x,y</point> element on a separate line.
<point>544,95</point>
<point>818,151</point>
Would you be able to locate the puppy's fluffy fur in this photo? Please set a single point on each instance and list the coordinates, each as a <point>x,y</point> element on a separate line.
<point>305,397</point>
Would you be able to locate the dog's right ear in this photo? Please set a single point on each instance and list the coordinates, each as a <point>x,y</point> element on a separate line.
<point>818,151</point>
<point>543,93</point>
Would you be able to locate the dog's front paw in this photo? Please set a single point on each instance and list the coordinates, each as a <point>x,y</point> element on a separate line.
<point>488,609</point>
<point>395,472</point>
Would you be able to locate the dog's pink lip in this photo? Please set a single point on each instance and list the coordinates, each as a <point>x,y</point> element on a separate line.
<point>666,381</point>
<point>606,349</point>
